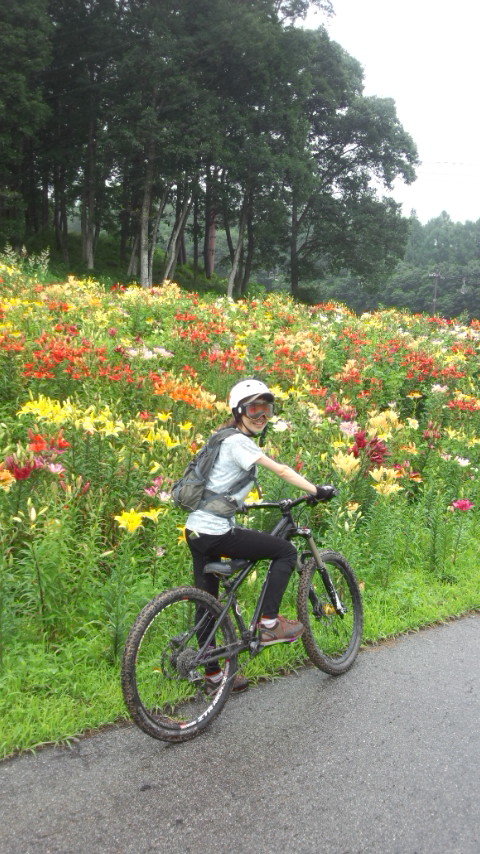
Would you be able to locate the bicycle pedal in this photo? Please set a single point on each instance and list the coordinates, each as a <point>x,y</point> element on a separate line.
<point>255,646</point>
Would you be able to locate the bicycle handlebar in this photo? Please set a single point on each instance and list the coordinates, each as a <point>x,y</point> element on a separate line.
<point>284,504</point>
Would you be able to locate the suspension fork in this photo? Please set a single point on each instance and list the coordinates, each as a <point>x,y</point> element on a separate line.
<point>334,597</point>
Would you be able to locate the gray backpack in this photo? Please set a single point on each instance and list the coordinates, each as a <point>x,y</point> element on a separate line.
<point>190,491</point>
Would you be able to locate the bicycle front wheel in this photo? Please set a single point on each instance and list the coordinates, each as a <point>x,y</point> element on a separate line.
<point>333,628</point>
<point>164,664</point>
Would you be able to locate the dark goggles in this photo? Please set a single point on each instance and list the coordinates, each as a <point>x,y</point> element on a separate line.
<point>258,409</point>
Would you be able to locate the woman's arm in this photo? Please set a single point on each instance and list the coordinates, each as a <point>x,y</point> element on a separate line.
<point>288,474</point>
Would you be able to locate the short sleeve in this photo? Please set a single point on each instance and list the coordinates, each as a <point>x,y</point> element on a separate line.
<point>243,451</point>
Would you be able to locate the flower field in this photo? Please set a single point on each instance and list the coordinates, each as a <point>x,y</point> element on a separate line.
<point>104,397</point>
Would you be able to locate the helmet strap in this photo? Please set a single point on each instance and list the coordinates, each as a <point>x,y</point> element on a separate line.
<point>249,432</point>
<point>239,420</point>
<point>263,436</point>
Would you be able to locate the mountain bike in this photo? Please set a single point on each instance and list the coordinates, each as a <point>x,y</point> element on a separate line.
<point>182,631</point>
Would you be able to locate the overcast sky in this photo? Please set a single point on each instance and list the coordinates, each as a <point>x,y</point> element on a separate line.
<point>425,55</point>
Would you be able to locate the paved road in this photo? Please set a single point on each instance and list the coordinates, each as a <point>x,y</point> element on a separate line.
<point>384,759</point>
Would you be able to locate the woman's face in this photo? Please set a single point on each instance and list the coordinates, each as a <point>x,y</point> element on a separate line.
<point>256,415</point>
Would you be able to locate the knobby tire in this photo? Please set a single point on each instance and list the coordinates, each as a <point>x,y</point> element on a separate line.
<point>166,697</point>
<point>331,641</point>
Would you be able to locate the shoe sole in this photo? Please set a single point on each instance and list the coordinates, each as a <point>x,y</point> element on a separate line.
<point>211,689</point>
<point>280,640</point>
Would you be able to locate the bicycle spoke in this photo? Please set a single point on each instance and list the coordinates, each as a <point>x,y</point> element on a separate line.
<point>331,611</point>
<point>164,674</point>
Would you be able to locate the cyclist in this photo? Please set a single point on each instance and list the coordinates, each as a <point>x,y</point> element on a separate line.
<point>211,537</point>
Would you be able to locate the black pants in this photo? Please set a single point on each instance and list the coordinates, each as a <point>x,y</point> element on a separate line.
<point>245,543</point>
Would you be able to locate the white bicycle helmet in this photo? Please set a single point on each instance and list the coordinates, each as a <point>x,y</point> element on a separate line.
<point>248,390</point>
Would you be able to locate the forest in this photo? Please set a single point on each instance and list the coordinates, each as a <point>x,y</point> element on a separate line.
<point>200,115</point>
<point>218,143</point>
<point>439,274</point>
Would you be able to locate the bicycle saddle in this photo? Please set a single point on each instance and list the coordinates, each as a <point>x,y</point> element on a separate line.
<point>225,568</point>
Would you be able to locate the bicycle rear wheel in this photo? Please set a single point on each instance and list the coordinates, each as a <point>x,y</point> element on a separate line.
<point>163,681</point>
<point>331,639</point>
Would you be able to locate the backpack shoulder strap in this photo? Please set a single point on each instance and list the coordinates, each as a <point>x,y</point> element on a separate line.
<point>225,505</point>
<point>210,451</point>
<point>222,434</point>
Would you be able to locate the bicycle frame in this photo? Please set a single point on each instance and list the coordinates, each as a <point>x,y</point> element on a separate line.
<point>286,528</point>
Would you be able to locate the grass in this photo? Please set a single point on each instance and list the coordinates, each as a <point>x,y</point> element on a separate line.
<point>53,696</point>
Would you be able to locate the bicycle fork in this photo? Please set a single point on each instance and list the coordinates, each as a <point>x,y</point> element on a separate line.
<point>334,597</point>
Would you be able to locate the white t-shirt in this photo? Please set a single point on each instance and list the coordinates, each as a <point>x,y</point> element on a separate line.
<point>237,454</point>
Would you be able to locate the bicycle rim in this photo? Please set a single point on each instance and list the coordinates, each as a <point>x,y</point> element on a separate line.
<point>165,691</point>
<point>331,640</point>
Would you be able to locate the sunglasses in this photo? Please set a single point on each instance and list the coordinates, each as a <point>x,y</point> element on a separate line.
<point>258,409</point>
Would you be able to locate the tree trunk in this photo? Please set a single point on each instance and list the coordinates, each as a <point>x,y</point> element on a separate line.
<point>64,223</point>
<point>88,210</point>
<point>210,222</point>
<point>210,240</point>
<point>127,222</point>
<point>56,206</point>
<point>182,249</point>
<point>124,223</point>
<point>237,285</point>
<point>145,218</point>
<point>238,249</point>
<point>228,233</point>
<point>250,248</point>
<point>175,241</point>
<point>132,271</point>
<point>294,271</point>
<point>196,233</point>
<point>156,225</point>
<point>60,211</point>
<point>45,211</point>
<point>176,238</point>
<point>30,190</point>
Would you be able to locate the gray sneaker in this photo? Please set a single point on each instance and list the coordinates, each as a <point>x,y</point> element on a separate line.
<point>284,631</point>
